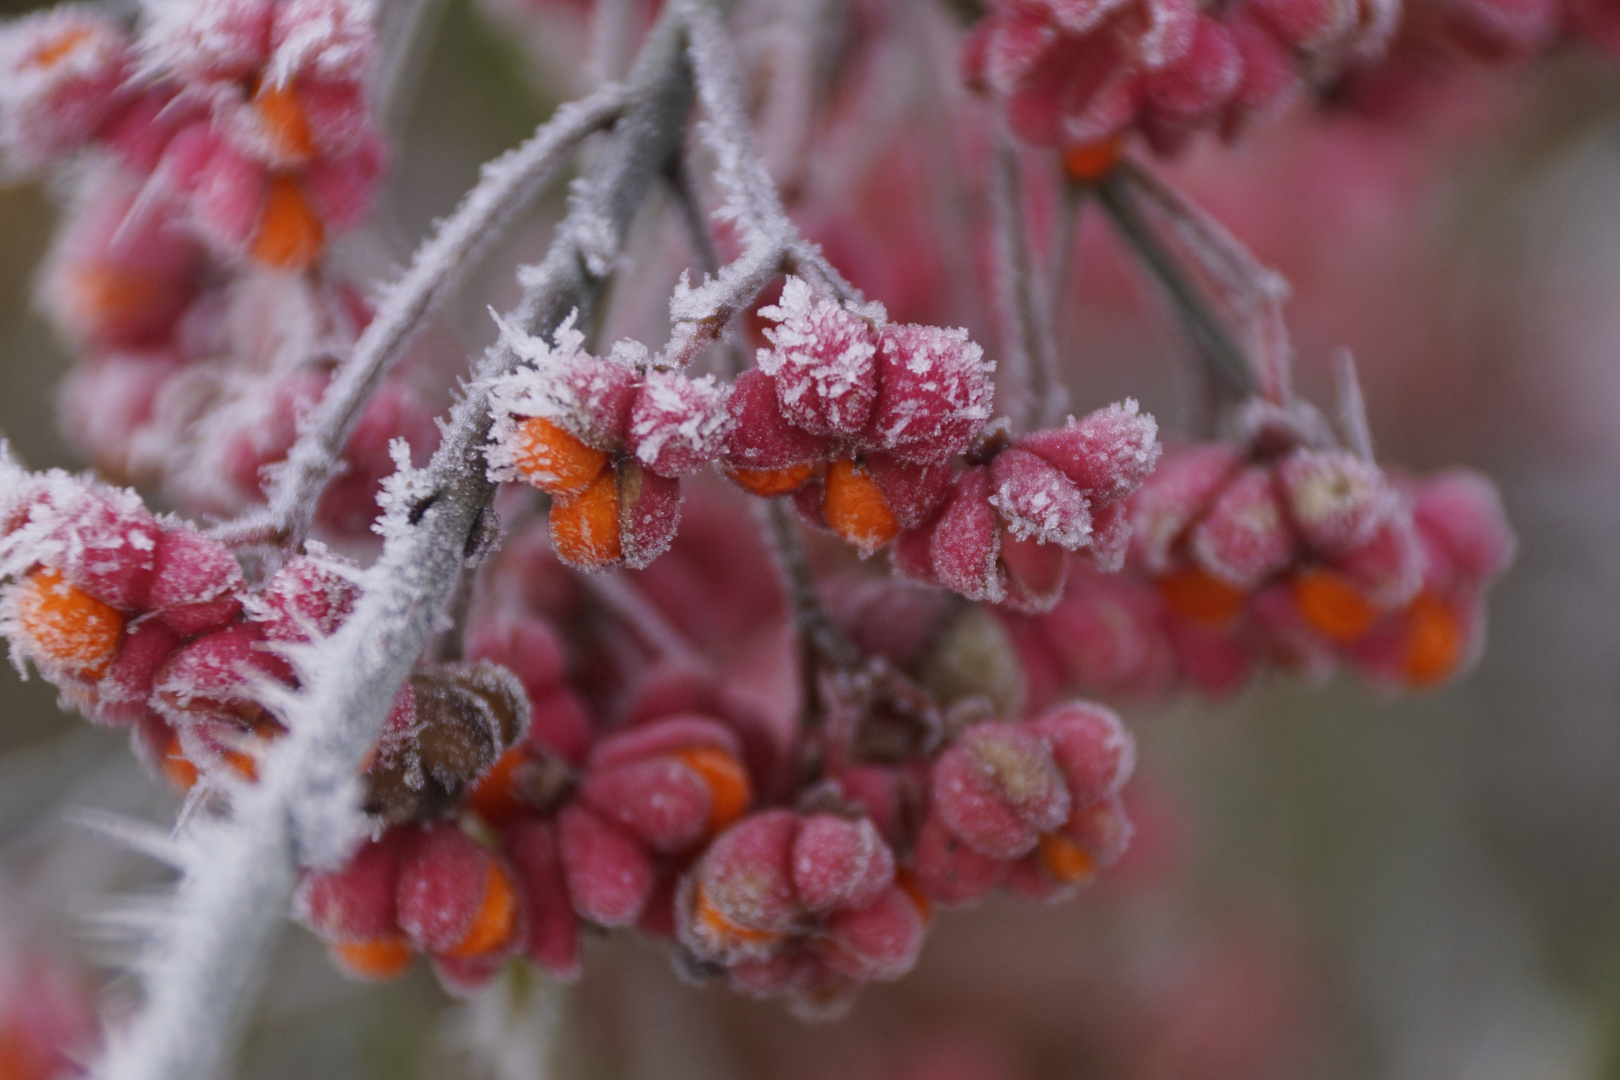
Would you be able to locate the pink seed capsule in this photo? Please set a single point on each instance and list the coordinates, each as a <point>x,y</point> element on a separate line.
<point>1182,95</point>
<point>998,788</point>
<point>661,801</point>
<point>839,863</point>
<point>649,513</point>
<point>822,358</point>
<point>123,693</point>
<point>878,941</point>
<point>196,582</point>
<point>227,198</point>
<point>912,492</point>
<point>950,871</point>
<point>1172,498</point>
<point>1038,502</point>
<point>965,544</point>
<point>742,901</point>
<point>307,598</point>
<point>1091,747</point>
<point>110,547</point>
<point>214,674</point>
<point>1107,454</point>
<point>1335,499</point>
<point>760,437</point>
<point>609,873</point>
<point>63,75</point>
<point>1387,567</point>
<point>528,646</point>
<point>1462,512</point>
<point>1102,828</point>
<point>209,39</point>
<point>1034,574</point>
<point>357,901</point>
<point>531,847</point>
<point>934,393</point>
<point>1270,77</point>
<point>1245,537</point>
<point>678,425</point>
<point>561,726</point>
<point>327,39</point>
<point>340,189</point>
<point>454,897</point>
<point>1111,532</point>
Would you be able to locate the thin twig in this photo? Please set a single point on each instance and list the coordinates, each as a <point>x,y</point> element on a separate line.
<point>506,186</point>
<point>1253,292</point>
<point>619,593</point>
<point>1224,357</point>
<point>815,629</point>
<point>1028,348</point>
<point>232,900</point>
<point>684,194</point>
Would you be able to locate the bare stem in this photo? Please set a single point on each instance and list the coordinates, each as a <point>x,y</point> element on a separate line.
<point>816,631</point>
<point>203,968</point>
<point>1029,351</point>
<point>506,186</point>
<point>1253,292</point>
<point>1224,357</point>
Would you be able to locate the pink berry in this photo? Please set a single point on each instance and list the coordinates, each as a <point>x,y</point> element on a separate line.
<point>839,863</point>
<point>877,941</point>
<point>649,513</point>
<point>965,543</point>
<point>1173,497</point>
<point>609,874</point>
<point>1335,499</point>
<point>822,358</point>
<point>998,788</point>
<point>760,437</point>
<point>530,845</point>
<point>1245,537</point>
<point>1038,502</point>
<point>196,582</point>
<point>951,871</point>
<point>934,393</point>
<point>63,75</point>
<point>913,492</point>
<point>1091,747</point>
<point>678,424</point>
<point>307,598</point>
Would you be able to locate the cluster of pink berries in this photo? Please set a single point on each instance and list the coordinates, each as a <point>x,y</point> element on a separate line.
<point>216,150</point>
<point>1080,75</point>
<point>857,420</point>
<point>1283,553</point>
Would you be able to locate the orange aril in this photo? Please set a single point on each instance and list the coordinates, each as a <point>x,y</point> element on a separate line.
<point>553,460</point>
<point>585,528</point>
<point>495,798</point>
<point>57,48</point>
<point>855,509</point>
<point>495,919</point>
<point>66,625</point>
<point>724,776</point>
<point>769,482</point>
<point>176,767</point>
<point>919,899</point>
<point>290,234</point>
<point>1064,859</point>
<point>1334,608</point>
<point>285,124</point>
<point>1087,163</point>
<point>1434,641</point>
<point>382,958</point>
<point>1201,597</point>
<point>721,930</point>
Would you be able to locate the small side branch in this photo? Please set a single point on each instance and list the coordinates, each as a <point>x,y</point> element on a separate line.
<point>1225,358</point>
<point>507,185</point>
<point>1029,350</point>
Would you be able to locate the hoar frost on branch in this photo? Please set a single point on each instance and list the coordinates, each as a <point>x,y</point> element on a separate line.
<point>587,754</point>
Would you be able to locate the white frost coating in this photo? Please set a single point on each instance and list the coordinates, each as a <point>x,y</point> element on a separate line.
<point>681,416</point>
<point>334,38</point>
<point>504,187</point>
<point>1050,513</point>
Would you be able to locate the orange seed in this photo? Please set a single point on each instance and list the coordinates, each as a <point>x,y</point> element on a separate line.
<point>1064,859</point>
<point>585,528</point>
<point>769,482</point>
<point>492,926</point>
<point>285,124</point>
<point>856,509</point>
<point>383,958</point>
<point>553,460</point>
<point>1201,597</point>
<point>1434,641</point>
<point>1335,609</point>
<point>723,775</point>
<point>68,626</point>
<point>290,235</point>
<point>1089,162</point>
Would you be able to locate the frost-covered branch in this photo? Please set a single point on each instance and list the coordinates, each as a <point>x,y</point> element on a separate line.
<point>240,873</point>
<point>506,186</point>
<point>1029,349</point>
<point>1226,360</point>
<point>771,242</point>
